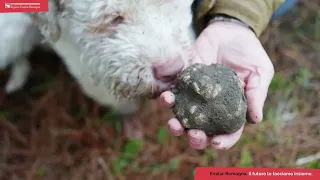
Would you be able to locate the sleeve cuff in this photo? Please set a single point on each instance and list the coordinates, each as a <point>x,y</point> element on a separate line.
<point>255,14</point>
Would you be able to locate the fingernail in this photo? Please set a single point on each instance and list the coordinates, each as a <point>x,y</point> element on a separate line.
<point>167,99</point>
<point>249,120</point>
<point>175,126</point>
<point>216,142</point>
<point>218,145</point>
<point>194,139</point>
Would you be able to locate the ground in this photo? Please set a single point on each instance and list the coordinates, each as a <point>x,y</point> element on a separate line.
<point>50,130</point>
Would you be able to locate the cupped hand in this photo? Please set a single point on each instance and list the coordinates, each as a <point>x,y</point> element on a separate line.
<point>238,48</point>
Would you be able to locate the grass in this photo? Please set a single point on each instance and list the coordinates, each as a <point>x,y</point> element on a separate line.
<point>162,136</point>
<point>314,165</point>
<point>129,153</point>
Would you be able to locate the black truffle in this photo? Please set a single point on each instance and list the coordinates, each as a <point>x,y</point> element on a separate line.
<point>210,98</point>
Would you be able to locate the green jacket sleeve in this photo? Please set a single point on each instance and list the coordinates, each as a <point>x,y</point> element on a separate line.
<point>255,13</point>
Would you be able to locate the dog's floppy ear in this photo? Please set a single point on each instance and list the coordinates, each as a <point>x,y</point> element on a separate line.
<point>48,22</point>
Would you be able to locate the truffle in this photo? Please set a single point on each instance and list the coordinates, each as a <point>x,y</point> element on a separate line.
<point>210,98</point>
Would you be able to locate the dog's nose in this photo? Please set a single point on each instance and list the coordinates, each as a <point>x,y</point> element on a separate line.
<point>165,71</point>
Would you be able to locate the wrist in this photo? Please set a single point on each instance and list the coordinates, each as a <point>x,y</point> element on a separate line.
<point>230,19</point>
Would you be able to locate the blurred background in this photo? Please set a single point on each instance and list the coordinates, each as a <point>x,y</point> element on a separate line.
<point>50,130</point>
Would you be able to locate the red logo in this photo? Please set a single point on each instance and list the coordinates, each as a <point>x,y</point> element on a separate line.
<point>204,173</point>
<point>7,6</point>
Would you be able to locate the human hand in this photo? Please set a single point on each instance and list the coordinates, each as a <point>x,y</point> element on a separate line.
<point>238,48</point>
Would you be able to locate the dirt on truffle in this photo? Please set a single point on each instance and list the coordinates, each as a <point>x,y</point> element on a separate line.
<point>210,98</point>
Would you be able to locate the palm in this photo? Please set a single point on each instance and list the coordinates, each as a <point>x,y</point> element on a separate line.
<point>239,49</point>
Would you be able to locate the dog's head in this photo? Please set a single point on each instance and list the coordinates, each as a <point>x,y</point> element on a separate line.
<point>124,42</point>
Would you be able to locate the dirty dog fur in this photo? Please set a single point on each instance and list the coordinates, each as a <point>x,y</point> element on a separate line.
<point>109,45</point>
<point>18,37</point>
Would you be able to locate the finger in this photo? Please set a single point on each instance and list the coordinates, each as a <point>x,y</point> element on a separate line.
<point>256,98</point>
<point>167,99</point>
<point>175,127</point>
<point>256,93</point>
<point>226,141</point>
<point>206,48</point>
<point>197,139</point>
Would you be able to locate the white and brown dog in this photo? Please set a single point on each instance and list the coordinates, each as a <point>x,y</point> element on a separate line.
<point>120,51</point>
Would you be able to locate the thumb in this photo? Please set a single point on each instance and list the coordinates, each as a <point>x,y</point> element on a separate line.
<point>205,50</point>
<point>256,98</point>
<point>256,93</point>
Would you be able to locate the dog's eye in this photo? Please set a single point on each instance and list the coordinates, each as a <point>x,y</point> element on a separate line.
<point>105,23</point>
<point>117,20</point>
